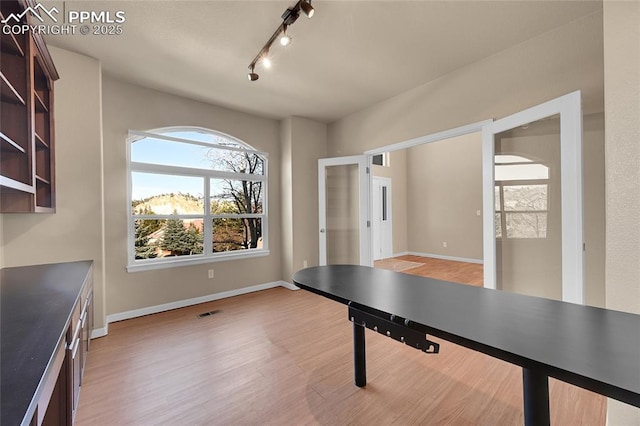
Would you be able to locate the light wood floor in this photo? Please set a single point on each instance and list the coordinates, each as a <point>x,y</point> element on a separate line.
<point>284,357</point>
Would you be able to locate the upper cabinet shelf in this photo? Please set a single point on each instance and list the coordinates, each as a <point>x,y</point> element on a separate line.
<point>27,73</point>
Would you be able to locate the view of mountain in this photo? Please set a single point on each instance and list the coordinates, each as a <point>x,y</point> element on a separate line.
<point>170,203</point>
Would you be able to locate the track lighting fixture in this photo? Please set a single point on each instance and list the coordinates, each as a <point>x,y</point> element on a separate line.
<point>289,16</point>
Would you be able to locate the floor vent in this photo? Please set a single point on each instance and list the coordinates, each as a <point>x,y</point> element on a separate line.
<point>208,314</point>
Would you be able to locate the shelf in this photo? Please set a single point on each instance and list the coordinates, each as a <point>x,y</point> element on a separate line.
<point>40,143</point>
<point>7,145</point>
<point>42,180</point>
<point>40,104</point>
<point>7,182</point>
<point>10,43</point>
<point>27,73</point>
<point>40,209</point>
<point>9,93</point>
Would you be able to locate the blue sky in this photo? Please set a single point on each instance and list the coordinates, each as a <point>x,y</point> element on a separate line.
<point>158,151</point>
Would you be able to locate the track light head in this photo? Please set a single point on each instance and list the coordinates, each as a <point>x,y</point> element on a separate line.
<point>307,9</point>
<point>285,39</point>
<point>252,75</point>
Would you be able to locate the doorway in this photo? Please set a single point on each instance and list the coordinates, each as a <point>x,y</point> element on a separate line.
<point>381,218</point>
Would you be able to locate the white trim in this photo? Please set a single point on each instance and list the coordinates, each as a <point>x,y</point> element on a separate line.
<point>488,207</point>
<point>100,332</point>
<point>154,168</point>
<point>196,259</point>
<point>289,286</point>
<point>362,162</point>
<point>152,135</point>
<point>194,301</point>
<point>434,137</point>
<point>443,257</point>
<point>569,109</point>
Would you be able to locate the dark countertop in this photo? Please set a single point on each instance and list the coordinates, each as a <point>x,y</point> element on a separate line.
<point>36,303</point>
<point>597,349</point>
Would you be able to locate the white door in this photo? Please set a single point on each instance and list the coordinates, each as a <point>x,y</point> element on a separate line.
<point>381,221</point>
<point>343,189</point>
<point>532,201</point>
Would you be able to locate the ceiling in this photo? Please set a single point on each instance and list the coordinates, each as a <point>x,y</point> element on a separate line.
<point>350,55</point>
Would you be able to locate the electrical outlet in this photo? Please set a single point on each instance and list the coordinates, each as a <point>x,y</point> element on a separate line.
<point>305,264</point>
<point>477,212</point>
<point>444,244</point>
<point>211,275</point>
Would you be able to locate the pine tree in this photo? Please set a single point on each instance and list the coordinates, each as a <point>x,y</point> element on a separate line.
<point>175,238</point>
<point>144,250</point>
<point>194,240</point>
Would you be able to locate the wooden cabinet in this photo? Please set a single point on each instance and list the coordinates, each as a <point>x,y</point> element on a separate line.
<point>78,337</point>
<point>27,172</point>
<point>47,317</point>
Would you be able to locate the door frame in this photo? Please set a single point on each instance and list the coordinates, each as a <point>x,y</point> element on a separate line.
<point>570,111</point>
<point>364,235</point>
<point>387,182</point>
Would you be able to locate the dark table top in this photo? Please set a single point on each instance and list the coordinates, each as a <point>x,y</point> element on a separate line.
<point>597,349</point>
<point>36,303</point>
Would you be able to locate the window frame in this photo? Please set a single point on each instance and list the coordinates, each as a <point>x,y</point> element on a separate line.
<point>208,256</point>
<point>501,184</point>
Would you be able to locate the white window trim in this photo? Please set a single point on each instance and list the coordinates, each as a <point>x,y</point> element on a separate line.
<point>138,265</point>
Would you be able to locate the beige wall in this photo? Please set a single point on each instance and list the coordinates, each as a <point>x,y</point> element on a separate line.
<point>444,192</point>
<point>303,142</point>
<point>553,64</point>
<point>622,106</point>
<point>74,232</point>
<point>129,107</point>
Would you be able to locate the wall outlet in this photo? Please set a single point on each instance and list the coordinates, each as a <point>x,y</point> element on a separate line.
<point>305,264</point>
<point>211,275</point>
<point>477,212</point>
<point>444,244</point>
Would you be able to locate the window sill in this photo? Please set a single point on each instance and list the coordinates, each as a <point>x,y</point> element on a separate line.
<point>148,265</point>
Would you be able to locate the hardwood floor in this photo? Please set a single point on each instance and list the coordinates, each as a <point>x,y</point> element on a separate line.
<point>284,357</point>
<point>447,270</point>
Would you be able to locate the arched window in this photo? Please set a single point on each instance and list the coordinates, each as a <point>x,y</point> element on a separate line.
<point>521,197</point>
<point>195,196</point>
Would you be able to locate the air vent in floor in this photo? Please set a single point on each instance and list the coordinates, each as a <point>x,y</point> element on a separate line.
<point>208,314</point>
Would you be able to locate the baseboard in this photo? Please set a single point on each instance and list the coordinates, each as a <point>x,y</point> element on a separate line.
<point>289,285</point>
<point>196,300</point>
<point>100,332</point>
<point>453,258</point>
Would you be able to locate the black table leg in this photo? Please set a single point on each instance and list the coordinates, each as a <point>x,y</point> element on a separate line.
<point>536,397</point>
<point>359,360</point>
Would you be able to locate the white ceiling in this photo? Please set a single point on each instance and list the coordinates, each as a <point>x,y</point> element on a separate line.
<point>350,55</point>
